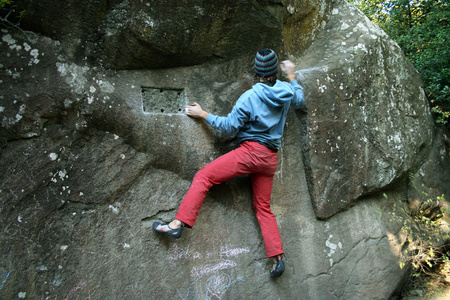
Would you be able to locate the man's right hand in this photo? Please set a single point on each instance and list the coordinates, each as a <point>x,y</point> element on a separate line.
<point>287,67</point>
<point>195,111</point>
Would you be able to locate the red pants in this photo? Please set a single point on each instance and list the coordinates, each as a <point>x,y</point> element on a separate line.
<point>250,158</point>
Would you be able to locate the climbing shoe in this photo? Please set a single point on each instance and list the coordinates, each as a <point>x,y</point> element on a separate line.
<point>277,269</point>
<point>164,228</point>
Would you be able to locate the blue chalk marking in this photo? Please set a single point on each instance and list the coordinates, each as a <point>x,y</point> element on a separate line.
<point>6,277</point>
<point>216,286</point>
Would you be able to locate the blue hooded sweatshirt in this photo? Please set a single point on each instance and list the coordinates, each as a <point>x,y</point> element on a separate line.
<point>260,113</point>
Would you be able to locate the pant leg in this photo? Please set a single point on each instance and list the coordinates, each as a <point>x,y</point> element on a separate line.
<point>262,190</point>
<point>250,157</point>
<point>262,181</point>
<point>227,166</point>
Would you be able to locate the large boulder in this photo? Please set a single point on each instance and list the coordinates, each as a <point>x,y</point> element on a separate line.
<point>134,34</point>
<point>165,33</point>
<point>91,156</point>
<point>303,20</point>
<point>368,123</point>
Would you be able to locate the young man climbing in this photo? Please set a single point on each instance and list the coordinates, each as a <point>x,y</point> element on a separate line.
<point>258,119</point>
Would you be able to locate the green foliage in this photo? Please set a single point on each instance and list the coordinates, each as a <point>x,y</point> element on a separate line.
<point>424,234</point>
<point>422,30</point>
<point>10,15</point>
<point>4,2</point>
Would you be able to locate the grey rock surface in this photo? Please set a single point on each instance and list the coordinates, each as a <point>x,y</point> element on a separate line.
<point>368,122</point>
<point>88,163</point>
<point>137,34</point>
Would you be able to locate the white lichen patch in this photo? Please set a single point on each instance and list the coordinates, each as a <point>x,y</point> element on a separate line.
<point>9,40</point>
<point>26,47</point>
<point>115,209</point>
<point>35,54</point>
<point>344,26</point>
<point>13,73</point>
<point>291,9</point>
<point>361,47</point>
<point>42,268</point>
<point>332,248</point>
<point>63,174</point>
<point>105,86</point>
<point>147,20</point>
<point>361,27</point>
<point>53,156</point>
<point>10,121</point>
<point>75,76</point>
<point>12,43</point>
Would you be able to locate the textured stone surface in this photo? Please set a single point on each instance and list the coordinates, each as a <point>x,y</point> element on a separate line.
<point>432,179</point>
<point>368,121</point>
<point>85,169</point>
<point>136,34</point>
<point>303,20</point>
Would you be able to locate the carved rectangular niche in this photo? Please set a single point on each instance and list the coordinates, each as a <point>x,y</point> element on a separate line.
<point>162,100</point>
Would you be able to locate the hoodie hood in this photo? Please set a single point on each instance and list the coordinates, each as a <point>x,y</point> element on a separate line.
<point>274,96</point>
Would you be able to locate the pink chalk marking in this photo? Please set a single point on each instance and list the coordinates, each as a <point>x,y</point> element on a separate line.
<point>72,293</point>
<point>176,253</point>
<point>233,252</point>
<point>79,287</point>
<point>212,267</point>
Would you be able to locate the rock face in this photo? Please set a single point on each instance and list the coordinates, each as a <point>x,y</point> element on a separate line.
<point>136,34</point>
<point>368,123</point>
<point>94,148</point>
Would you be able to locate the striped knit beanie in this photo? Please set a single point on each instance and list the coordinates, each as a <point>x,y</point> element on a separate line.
<point>266,63</point>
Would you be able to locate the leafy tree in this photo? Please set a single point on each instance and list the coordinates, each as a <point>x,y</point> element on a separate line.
<point>10,16</point>
<point>421,28</point>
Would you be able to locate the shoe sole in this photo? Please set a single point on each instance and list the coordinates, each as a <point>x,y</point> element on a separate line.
<point>174,236</point>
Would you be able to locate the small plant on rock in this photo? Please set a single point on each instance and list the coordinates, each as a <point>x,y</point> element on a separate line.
<point>10,15</point>
<point>425,243</point>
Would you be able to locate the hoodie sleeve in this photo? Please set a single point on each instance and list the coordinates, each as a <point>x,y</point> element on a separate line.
<point>238,116</point>
<point>299,98</point>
